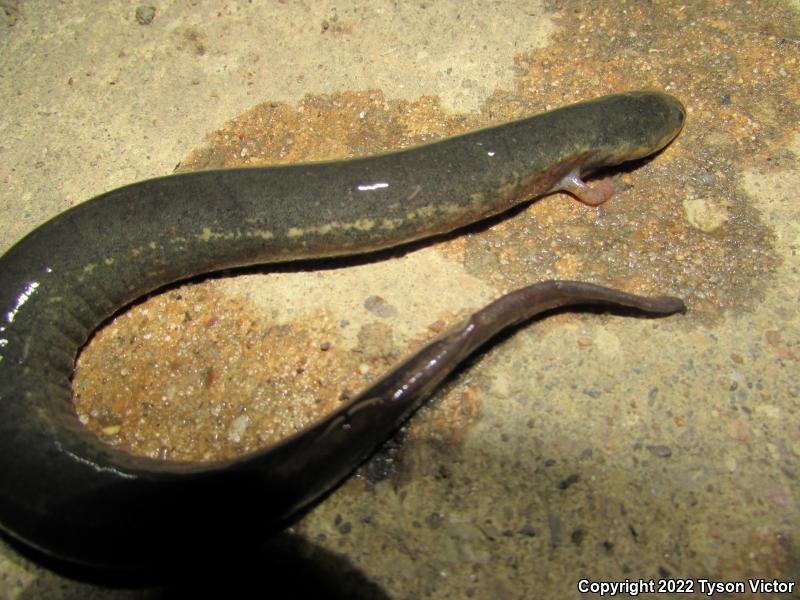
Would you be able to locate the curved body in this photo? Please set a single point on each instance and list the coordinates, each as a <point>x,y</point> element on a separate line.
<point>67,494</point>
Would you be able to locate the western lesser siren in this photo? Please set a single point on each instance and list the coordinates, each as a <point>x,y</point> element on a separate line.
<point>64,492</point>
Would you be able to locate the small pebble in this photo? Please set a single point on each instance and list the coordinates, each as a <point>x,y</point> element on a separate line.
<point>380,307</point>
<point>434,520</point>
<point>568,481</point>
<point>111,430</point>
<point>577,536</point>
<point>660,451</point>
<point>145,14</point>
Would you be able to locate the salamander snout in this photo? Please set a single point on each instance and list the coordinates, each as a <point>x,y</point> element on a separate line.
<point>675,114</point>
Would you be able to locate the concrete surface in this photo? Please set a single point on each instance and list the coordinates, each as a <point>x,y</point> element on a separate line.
<point>583,446</point>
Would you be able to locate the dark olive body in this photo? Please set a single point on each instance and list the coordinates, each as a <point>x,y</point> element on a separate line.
<point>67,494</point>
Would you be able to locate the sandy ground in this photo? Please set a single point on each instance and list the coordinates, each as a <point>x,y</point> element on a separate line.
<point>583,446</point>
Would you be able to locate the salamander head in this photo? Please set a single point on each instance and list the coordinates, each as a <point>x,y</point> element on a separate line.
<point>634,125</point>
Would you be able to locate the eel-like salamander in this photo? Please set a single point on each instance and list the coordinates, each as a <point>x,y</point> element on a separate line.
<point>67,494</point>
